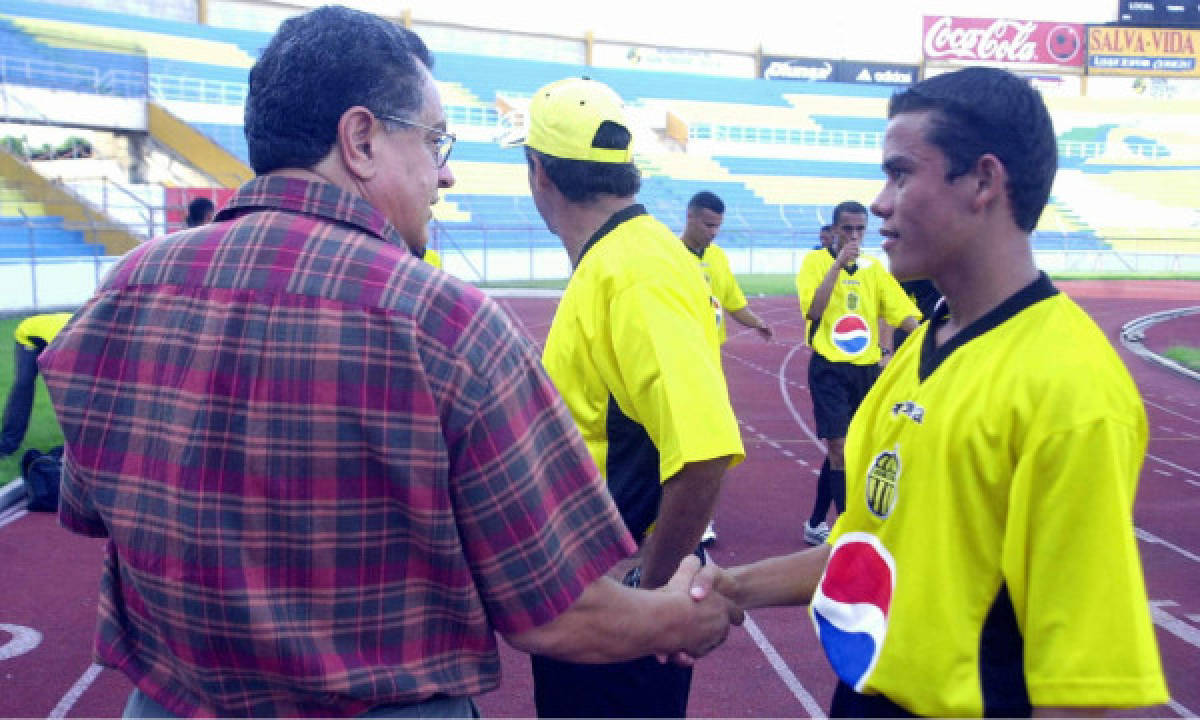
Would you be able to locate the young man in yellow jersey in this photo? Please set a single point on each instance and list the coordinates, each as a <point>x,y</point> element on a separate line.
<point>705,215</point>
<point>986,563</point>
<point>634,352</point>
<point>843,296</point>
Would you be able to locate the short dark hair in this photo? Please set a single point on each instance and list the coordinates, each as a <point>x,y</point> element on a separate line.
<point>977,111</point>
<point>198,210</point>
<point>317,66</point>
<point>826,228</point>
<point>849,206</point>
<point>708,201</point>
<point>581,181</point>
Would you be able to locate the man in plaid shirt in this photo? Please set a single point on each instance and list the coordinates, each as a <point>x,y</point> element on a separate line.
<point>328,472</point>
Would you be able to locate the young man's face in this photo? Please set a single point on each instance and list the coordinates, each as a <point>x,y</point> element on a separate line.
<point>849,227</point>
<point>926,225</point>
<point>702,227</point>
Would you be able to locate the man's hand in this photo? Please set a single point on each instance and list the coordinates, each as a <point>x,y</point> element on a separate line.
<point>849,253</point>
<point>765,332</point>
<point>711,612</point>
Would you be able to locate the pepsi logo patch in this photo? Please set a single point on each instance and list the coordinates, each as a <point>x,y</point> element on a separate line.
<point>851,334</point>
<point>852,605</point>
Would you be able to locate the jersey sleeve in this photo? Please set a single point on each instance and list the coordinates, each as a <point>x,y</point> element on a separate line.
<point>1072,568</point>
<point>725,285</point>
<point>896,304</point>
<point>671,377</point>
<point>808,279</point>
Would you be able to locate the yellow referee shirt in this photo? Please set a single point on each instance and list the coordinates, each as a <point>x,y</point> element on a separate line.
<point>36,331</point>
<point>986,560</point>
<point>633,351</point>
<point>725,289</point>
<point>864,293</point>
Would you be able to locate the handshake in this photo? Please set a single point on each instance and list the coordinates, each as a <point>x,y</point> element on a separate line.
<point>699,611</point>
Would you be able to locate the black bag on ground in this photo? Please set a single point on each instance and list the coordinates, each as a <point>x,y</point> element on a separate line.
<point>42,472</point>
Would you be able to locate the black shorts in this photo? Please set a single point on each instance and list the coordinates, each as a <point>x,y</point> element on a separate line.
<point>837,390</point>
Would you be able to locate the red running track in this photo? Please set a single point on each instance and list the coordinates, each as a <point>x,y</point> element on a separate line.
<point>770,668</point>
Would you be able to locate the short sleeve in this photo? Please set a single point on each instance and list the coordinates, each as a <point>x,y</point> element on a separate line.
<point>897,305</point>
<point>672,378</point>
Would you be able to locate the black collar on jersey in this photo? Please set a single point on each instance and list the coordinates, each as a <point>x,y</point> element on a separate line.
<point>698,253</point>
<point>932,356</point>
<point>849,268</point>
<point>611,224</point>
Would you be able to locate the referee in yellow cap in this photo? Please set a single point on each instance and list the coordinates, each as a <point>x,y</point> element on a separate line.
<point>633,350</point>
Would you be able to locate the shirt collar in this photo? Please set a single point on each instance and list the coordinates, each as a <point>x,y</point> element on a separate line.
<point>310,197</point>
<point>620,216</point>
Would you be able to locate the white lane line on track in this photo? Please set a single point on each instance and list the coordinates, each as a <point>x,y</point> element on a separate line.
<point>782,670</point>
<point>1153,539</point>
<point>1180,709</point>
<point>12,515</point>
<point>787,400</point>
<point>1170,411</point>
<point>1180,468</point>
<point>77,690</point>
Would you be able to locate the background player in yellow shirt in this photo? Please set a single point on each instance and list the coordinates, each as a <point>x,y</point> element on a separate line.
<point>633,350</point>
<point>705,214</point>
<point>32,336</point>
<point>986,563</point>
<point>842,298</point>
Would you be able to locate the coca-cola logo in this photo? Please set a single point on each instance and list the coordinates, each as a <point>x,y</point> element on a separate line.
<point>1001,41</point>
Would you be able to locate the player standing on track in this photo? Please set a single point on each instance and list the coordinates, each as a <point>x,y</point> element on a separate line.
<point>842,296</point>
<point>705,214</point>
<point>986,563</point>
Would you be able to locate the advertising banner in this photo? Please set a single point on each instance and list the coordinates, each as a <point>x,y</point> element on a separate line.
<point>1149,52</point>
<point>665,59</point>
<point>1003,42</point>
<point>779,67</point>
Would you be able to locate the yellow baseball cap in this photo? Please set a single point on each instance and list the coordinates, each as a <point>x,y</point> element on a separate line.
<point>563,118</point>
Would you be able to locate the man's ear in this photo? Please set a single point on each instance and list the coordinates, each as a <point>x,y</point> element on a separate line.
<point>990,179</point>
<point>355,138</point>
<point>537,173</point>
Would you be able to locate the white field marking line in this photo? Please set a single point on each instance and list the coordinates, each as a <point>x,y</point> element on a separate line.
<point>1153,539</point>
<point>1180,468</point>
<point>1170,411</point>
<point>782,670</point>
<point>787,400</point>
<point>23,640</point>
<point>811,706</point>
<point>1164,472</point>
<point>1172,624</point>
<point>1180,710</point>
<point>77,690</point>
<point>12,515</point>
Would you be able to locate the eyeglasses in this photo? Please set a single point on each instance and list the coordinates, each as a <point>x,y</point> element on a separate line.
<point>441,146</point>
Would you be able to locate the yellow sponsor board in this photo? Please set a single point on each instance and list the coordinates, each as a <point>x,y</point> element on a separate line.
<point>1169,52</point>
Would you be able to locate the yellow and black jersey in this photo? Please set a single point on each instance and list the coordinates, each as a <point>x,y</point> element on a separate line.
<point>633,351</point>
<point>864,293</point>
<point>36,331</point>
<point>726,292</point>
<point>986,560</point>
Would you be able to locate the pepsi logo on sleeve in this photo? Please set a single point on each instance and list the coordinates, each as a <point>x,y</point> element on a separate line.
<point>851,334</point>
<point>852,605</point>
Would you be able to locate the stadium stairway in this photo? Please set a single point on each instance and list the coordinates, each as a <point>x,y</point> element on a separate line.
<point>195,147</point>
<point>58,201</point>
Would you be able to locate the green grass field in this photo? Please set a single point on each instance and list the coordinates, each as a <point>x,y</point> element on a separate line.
<point>1189,357</point>
<point>44,432</point>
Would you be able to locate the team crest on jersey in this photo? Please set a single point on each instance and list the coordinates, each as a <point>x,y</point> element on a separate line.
<point>910,409</point>
<point>882,478</point>
<point>716,306</point>
<point>851,606</point>
<point>851,334</point>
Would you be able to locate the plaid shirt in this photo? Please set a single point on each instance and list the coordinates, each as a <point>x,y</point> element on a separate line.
<point>327,471</point>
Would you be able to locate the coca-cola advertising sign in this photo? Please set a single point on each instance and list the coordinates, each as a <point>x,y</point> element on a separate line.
<point>1009,42</point>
